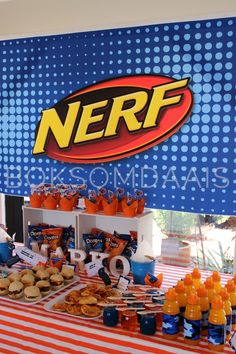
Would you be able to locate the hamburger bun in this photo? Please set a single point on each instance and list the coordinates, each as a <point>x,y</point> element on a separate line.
<point>42,274</point>
<point>32,293</point>
<point>4,285</point>
<point>44,287</point>
<point>15,290</point>
<point>53,270</point>
<point>26,271</point>
<point>68,274</point>
<point>14,277</point>
<point>36,268</point>
<point>57,281</point>
<point>28,280</point>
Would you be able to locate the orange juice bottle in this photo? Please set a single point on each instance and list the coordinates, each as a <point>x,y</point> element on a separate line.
<point>170,316</point>
<point>228,310</point>
<point>196,276</point>
<point>216,280</point>
<point>209,285</point>
<point>188,283</point>
<point>232,296</point>
<point>182,301</point>
<point>217,325</point>
<point>192,320</point>
<point>204,303</point>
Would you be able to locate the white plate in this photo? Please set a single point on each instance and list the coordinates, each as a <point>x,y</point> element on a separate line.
<point>28,303</point>
<point>49,305</point>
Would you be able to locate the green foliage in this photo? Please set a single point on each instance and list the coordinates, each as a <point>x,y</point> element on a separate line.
<point>181,223</point>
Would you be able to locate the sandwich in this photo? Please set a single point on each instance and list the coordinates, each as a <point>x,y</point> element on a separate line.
<point>68,274</point>
<point>15,290</point>
<point>14,277</point>
<point>26,271</point>
<point>4,285</point>
<point>28,280</point>
<point>37,267</point>
<point>57,281</point>
<point>42,274</point>
<point>53,270</point>
<point>32,293</point>
<point>44,287</point>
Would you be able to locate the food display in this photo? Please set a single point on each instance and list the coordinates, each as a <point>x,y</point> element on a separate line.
<point>83,300</point>
<point>33,285</point>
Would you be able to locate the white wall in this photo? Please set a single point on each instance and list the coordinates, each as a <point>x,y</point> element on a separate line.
<point>23,18</point>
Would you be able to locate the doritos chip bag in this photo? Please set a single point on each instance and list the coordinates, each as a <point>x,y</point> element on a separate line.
<point>52,237</point>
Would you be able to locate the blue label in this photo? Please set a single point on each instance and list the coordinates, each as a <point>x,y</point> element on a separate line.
<point>228,324</point>
<point>205,319</point>
<point>233,314</point>
<point>216,334</point>
<point>170,324</point>
<point>192,329</point>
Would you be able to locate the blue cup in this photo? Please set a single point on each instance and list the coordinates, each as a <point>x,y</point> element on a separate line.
<point>110,316</point>
<point>140,269</point>
<point>5,252</point>
<point>148,324</point>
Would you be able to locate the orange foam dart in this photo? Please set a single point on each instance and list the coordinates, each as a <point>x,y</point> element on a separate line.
<point>35,200</point>
<point>91,207</point>
<point>153,280</point>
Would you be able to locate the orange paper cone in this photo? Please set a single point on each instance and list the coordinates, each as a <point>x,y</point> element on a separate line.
<point>50,202</point>
<point>66,204</point>
<point>130,210</point>
<point>110,209</point>
<point>141,204</point>
<point>35,200</point>
<point>91,207</point>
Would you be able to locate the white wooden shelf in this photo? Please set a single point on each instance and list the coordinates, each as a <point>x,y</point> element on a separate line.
<point>83,222</point>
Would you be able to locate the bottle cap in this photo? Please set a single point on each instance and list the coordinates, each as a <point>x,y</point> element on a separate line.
<point>196,273</point>
<point>171,294</point>
<point>224,294</point>
<point>193,299</point>
<point>188,280</point>
<point>180,288</point>
<point>217,303</point>
<point>216,276</point>
<point>230,286</point>
<point>202,291</point>
<point>209,283</point>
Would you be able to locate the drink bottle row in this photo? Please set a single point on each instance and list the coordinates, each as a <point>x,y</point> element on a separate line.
<point>201,310</point>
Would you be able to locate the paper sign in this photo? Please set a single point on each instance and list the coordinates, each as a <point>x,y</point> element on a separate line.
<point>123,283</point>
<point>92,268</point>
<point>232,341</point>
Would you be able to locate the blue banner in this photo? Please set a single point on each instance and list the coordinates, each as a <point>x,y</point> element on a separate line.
<point>193,170</point>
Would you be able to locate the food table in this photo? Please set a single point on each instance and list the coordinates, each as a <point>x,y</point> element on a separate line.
<point>31,329</point>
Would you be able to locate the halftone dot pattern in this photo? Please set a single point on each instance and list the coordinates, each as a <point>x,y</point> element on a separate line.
<point>190,171</point>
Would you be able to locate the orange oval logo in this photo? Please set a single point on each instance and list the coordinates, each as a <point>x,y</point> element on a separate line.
<point>114,119</point>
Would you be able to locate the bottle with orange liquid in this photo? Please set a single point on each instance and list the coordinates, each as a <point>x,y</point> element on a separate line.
<point>205,306</point>
<point>182,301</point>
<point>228,310</point>
<point>216,280</point>
<point>170,316</point>
<point>209,285</point>
<point>196,276</point>
<point>217,325</point>
<point>192,320</point>
<point>188,283</point>
<point>232,296</point>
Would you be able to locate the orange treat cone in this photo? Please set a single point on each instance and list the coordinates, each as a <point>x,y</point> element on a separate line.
<point>130,210</point>
<point>35,200</point>
<point>91,207</point>
<point>50,202</point>
<point>110,208</point>
<point>141,204</point>
<point>66,204</point>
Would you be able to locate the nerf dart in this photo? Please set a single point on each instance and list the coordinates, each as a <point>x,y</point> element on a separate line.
<point>152,280</point>
<point>104,276</point>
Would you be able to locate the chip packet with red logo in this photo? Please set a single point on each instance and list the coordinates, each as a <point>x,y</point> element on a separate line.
<point>52,237</point>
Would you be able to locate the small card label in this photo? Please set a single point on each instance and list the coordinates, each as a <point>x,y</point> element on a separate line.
<point>123,283</point>
<point>92,268</point>
<point>232,341</point>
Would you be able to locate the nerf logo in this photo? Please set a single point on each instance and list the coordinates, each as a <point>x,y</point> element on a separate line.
<point>114,119</point>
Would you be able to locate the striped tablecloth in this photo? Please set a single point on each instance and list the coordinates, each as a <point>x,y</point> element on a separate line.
<point>31,329</point>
